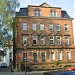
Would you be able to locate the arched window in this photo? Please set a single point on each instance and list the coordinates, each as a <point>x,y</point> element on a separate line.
<point>37,12</point>
<point>53,13</point>
<point>51,38</point>
<point>58,40</point>
<point>42,39</point>
<point>34,39</point>
<point>24,39</point>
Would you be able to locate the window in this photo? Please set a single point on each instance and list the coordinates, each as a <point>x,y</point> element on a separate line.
<point>68,55</point>
<point>57,27</point>
<point>66,27</point>
<point>41,26</point>
<point>52,56</point>
<point>42,39</point>
<point>58,39</point>
<point>53,14</point>
<point>34,57</point>
<point>51,40</point>
<point>35,39</point>
<point>43,56</point>
<point>67,40</point>
<point>24,26</point>
<point>24,38</point>
<point>37,12</point>
<point>59,55</point>
<point>34,26</point>
<point>25,57</point>
<point>51,27</point>
<point>10,54</point>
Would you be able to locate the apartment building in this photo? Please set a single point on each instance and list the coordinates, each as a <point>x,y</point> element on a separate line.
<point>47,33</point>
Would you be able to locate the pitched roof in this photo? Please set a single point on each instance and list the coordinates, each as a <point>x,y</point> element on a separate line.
<point>64,14</point>
<point>22,12</point>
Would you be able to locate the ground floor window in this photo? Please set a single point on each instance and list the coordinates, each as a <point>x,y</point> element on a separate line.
<point>68,55</point>
<point>43,56</point>
<point>59,55</point>
<point>25,57</point>
<point>52,56</point>
<point>34,57</point>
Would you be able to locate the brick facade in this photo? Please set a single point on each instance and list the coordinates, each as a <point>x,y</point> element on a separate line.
<point>46,48</point>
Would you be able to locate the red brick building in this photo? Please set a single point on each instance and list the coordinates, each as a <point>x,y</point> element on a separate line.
<point>48,34</point>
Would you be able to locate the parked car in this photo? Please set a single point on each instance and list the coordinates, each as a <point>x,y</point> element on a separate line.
<point>71,68</point>
<point>3,65</point>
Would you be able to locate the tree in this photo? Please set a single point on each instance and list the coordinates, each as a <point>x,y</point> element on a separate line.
<point>7,14</point>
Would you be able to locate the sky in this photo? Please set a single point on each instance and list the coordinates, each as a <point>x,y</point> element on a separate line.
<point>67,5</point>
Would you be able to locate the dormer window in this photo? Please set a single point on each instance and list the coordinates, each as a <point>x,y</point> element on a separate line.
<point>53,13</point>
<point>37,12</point>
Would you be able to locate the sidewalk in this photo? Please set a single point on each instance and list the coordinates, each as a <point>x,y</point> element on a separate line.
<point>29,73</point>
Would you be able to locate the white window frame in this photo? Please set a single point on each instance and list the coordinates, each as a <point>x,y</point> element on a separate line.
<point>42,39</point>
<point>24,39</point>
<point>41,26</point>
<point>24,26</point>
<point>59,55</point>
<point>23,56</point>
<point>57,29</point>
<point>43,53</point>
<point>36,57</point>
<point>68,56</point>
<point>35,38</point>
<point>51,39</point>
<point>34,26</point>
<point>67,40</point>
<point>58,40</point>
<point>37,12</point>
<point>53,14</point>
<point>51,27</point>
<point>52,57</point>
<point>66,27</point>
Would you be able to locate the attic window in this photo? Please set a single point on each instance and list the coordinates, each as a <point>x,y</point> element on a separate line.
<point>53,13</point>
<point>37,12</point>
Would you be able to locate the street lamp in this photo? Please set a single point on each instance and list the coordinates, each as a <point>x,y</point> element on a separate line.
<point>25,57</point>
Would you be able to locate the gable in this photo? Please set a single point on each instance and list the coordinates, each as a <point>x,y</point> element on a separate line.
<point>45,5</point>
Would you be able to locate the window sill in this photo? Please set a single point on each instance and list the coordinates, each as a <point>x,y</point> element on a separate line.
<point>23,44</point>
<point>51,45</point>
<point>43,45</point>
<point>34,45</point>
<point>67,44</point>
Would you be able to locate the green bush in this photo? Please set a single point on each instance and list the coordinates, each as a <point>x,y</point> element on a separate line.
<point>28,67</point>
<point>67,66</point>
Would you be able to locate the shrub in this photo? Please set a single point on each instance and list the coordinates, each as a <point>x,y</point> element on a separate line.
<point>57,62</point>
<point>28,67</point>
<point>67,66</point>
